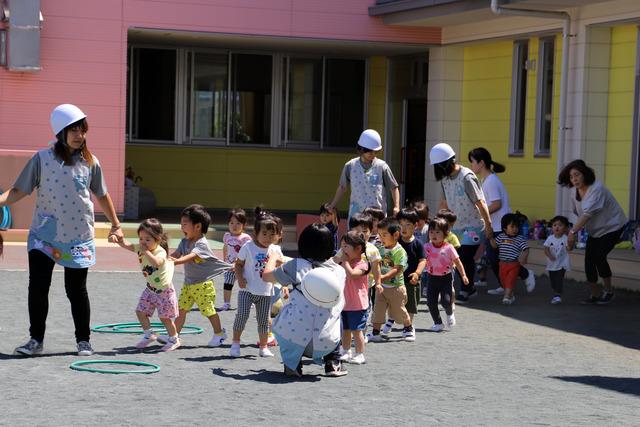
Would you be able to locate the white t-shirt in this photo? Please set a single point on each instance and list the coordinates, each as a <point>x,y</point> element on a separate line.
<point>493,190</point>
<point>558,248</point>
<point>255,259</point>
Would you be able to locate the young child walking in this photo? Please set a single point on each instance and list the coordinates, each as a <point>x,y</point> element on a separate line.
<point>513,251</point>
<point>556,249</point>
<point>233,240</point>
<point>249,267</point>
<point>377,215</point>
<point>159,294</point>
<point>356,295</point>
<point>441,258</point>
<point>200,267</point>
<point>330,219</point>
<point>391,294</point>
<point>422,226</point>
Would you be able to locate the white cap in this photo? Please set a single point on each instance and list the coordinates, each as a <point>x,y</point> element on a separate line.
<point>64,115</point>
<point>322,287</point>
<point>441,153</point>
<point>370,139</point>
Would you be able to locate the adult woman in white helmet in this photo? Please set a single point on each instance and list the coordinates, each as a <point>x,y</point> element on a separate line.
<point>64,175</point>
<point>368,177</point>
<point>463,195</point>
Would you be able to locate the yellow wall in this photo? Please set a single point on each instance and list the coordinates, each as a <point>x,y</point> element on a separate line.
<point>620,112</point>
<point>486,116</point>
<point>222,177</point>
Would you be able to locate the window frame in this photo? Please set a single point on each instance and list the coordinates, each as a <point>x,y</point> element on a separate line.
<point>518,118</point>
<point>542,101</point>
<point>634,184</point>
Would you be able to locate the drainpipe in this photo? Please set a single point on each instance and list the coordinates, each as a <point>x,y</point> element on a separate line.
<point>564,74</point>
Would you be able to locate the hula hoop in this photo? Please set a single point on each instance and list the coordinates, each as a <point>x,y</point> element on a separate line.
<point>78,366</point>
<point>135,328</point>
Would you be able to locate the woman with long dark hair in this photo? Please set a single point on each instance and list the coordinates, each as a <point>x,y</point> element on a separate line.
<point>604,220</point>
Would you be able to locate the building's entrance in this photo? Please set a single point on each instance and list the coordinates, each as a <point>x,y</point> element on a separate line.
<point>414,146</point>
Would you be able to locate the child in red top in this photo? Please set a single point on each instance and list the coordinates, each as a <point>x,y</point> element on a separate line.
<point>356,296</point>
<point>441,257</point>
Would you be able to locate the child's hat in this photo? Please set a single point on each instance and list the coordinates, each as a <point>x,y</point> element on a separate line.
<point>370,139</point>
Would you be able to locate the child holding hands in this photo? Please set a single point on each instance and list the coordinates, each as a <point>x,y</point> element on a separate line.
<point>233,240</point>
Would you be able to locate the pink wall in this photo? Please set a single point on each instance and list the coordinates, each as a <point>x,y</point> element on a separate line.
<point>83,58</point>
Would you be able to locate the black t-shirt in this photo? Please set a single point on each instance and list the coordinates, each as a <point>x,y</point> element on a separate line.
<point>415,252</point>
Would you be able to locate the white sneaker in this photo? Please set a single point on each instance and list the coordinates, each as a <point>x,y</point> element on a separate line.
<point>451,321</point>
<point>530,281</point>
<point>509,300</point>
<point>217,340</point>
<point>437,328</point>
<point>225,307</point>
<point>496,291</point>
<point>235,350</point>
<point>345,355</point>
<point>556,300</point>
<point>386,328</point>
<point>480,283</point>
<point>171,344</point>
<point>265,352</point>
<point>162,339</point>
<point>409,335</point>
<point>374,338</point>
<point>358,359</point>
<point>84,348</point>
<point>145,341</point>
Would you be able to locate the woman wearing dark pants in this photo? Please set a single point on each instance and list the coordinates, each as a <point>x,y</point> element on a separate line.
<point>65,176</point>
<point>462,194</point>
<point>603,219</point>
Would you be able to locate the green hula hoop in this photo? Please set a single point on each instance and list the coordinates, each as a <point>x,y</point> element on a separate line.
<point>135,328</point>
<point>79,366</point>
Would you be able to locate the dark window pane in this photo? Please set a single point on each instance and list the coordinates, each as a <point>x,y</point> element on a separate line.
<point>344,103</point>
<point>210,96</point>
<point>547,95</point>
<point>154,94</point>
<point>305,99</point>
<point>251,99</point>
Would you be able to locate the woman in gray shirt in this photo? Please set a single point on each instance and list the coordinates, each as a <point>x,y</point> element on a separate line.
<point>602,217</point>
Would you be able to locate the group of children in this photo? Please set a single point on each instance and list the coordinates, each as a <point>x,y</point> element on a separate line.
<point>389,263</point>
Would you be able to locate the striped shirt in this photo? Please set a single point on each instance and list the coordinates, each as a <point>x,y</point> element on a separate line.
<point>510,247</point>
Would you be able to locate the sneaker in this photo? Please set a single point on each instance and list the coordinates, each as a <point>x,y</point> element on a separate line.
<point>334,368</point>
<point>84,348</point>
<point>235,350</point>
<point>31,348</point>
<point>605,298</point>
<point>171,344</point>
<point>480,283</point>
<point>451,321</point>
<point>145,341</point>
<point>374,338</point>
<point>508,300</point>
<point>463,297</point>
<point>408,334</point>
<point>530,281</point>
<point>386,328</point>
<point>225,307</point>
<point>271,341</point>
<point>162,339</point>
<point>496,291</point>
<point>556,300</point>
<point>358,359</point>
<point>345,355</point>
<point>590,301</point>
<point>265,352</point>
<point>217,340</point>
<point>439,327</point>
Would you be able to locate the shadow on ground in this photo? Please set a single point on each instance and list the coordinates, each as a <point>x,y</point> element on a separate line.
<point>262,375</point>
<point>620,384</point>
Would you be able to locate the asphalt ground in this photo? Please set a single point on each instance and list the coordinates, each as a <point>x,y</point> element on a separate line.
<point>528,364</point>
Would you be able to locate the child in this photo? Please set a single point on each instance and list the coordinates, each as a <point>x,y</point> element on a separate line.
<point>392,294</point>
<point>441,256</point>
<point>356,295</point>
<point>422,226</point>
<point>330,219</point>
<point>249,267</point>
<point>302,328</point>
<point>451,219</point>
<point>513,251</point>
<point>378,215</point>
<point>233,240</point>
<point>159,293</point>
<point>408,219</point>
<point>200,267</point>
<point>556,249</point>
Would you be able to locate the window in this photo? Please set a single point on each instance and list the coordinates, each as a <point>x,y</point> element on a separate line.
<point>304,100</point>
<point>153,81</point>
<point>210,96</point>
<point>544,98</point>
<point>518,97</point>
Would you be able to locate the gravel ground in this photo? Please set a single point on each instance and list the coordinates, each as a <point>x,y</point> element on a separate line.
<point>528,364</point>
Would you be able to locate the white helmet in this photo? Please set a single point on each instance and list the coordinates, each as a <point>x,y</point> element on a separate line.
<point>63,115</point>
<point>441,153</point>
<point>322,287</point>
<point>370,139</point>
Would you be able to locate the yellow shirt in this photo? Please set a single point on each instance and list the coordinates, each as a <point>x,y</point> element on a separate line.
<point>157,277</point>
<point>452,239</point>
